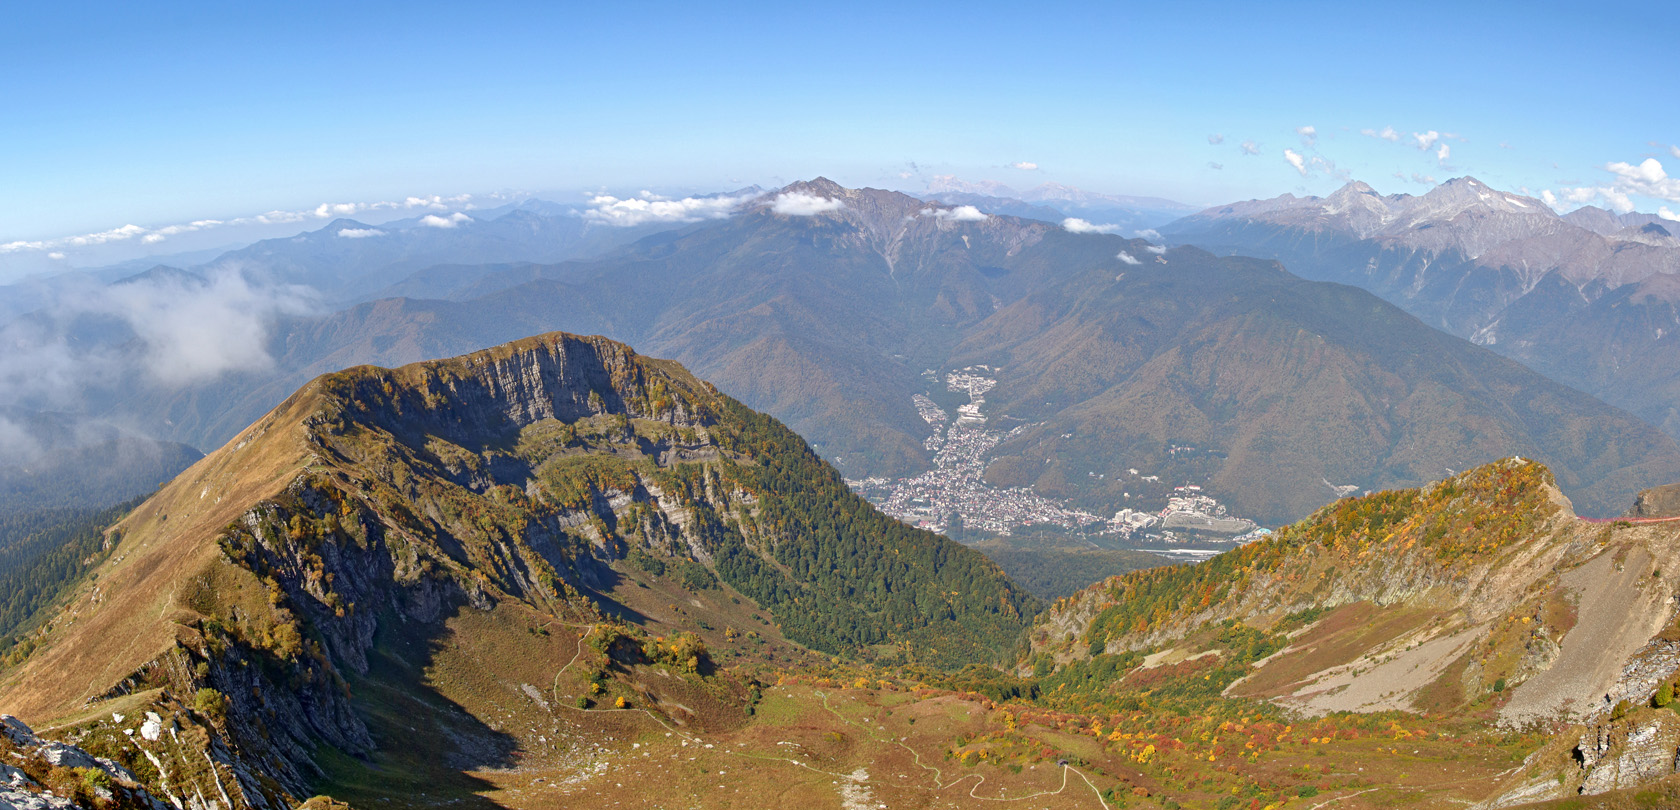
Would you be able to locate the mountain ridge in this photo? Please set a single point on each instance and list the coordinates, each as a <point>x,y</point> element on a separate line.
<point>1588,299</point>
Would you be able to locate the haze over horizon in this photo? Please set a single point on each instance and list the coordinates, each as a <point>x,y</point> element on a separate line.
<point>270,114</point>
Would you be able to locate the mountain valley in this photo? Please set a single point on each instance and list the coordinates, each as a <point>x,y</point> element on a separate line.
<point>829,320</point>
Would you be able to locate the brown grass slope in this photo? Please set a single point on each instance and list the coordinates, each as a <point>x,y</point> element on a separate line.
<point>127,616</point>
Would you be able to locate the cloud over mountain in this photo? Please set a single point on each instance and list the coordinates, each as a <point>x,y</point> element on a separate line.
<point>800,204</point>
<point>961,213</point>
<point>435,221</point>
<point>1077,225</point>
<point>186,329</point>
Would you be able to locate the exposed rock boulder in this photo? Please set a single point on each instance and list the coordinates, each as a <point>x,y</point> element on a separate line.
<point>1617,755</point>
<point>1663,501</point>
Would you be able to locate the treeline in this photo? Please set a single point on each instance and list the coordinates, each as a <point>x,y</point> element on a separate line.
<point>42,553</point>
<point>850,577</point>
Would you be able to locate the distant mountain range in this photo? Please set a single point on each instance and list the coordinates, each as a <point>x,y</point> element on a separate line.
<point>1054,202</point>
<point>827,311</point>
<point>1588,299</point>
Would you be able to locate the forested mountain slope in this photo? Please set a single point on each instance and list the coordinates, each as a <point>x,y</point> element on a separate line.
<point>353,534</point>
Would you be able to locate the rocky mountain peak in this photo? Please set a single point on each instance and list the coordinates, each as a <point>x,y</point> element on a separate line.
<point>1460,194</point>
<point>891,222</point>
<point>816,187</point>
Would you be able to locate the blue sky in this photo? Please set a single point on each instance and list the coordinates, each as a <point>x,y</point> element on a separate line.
<point>118,114</point>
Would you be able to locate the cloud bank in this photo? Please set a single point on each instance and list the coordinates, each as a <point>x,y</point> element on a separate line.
<point>1128,258</point>
<point>649,207</point>
<point>152,236</point>
<point>360,233</point>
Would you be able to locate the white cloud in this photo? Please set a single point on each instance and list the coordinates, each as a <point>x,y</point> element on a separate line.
<point>1077,225</point>
<point>1309,135</point>
<point>325,210</point>
<point>1423,179</point>
<point>198,331</point>
<point>1646,179</point>
<point>1157,249</point>
<point>56,256</point>
<point>1674,150</point>
<point>185,330</point>
<point>1444,153</point>
<point>1148,233</point>
<point>1648,172</point>
<point>1667,214</point>
<point>1613,198</point>
<point>1216,139</point>
<point>1215,166</point>
<point>1425,140</point>
<point>435,221</point>
<point>359,233</point>
<point>1026,166</point>
<point>1128,258</point>
<point>800,204</point>
<point>1296,160</point>
<point>962,213</point>
<point>1387,134</point>
<point>649,207</point>
<point>1250,148</point>
<point>1550,199</point>
<point>152,238</point>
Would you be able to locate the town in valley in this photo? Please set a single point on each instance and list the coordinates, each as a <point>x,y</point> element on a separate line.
<point>1192,525</point>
